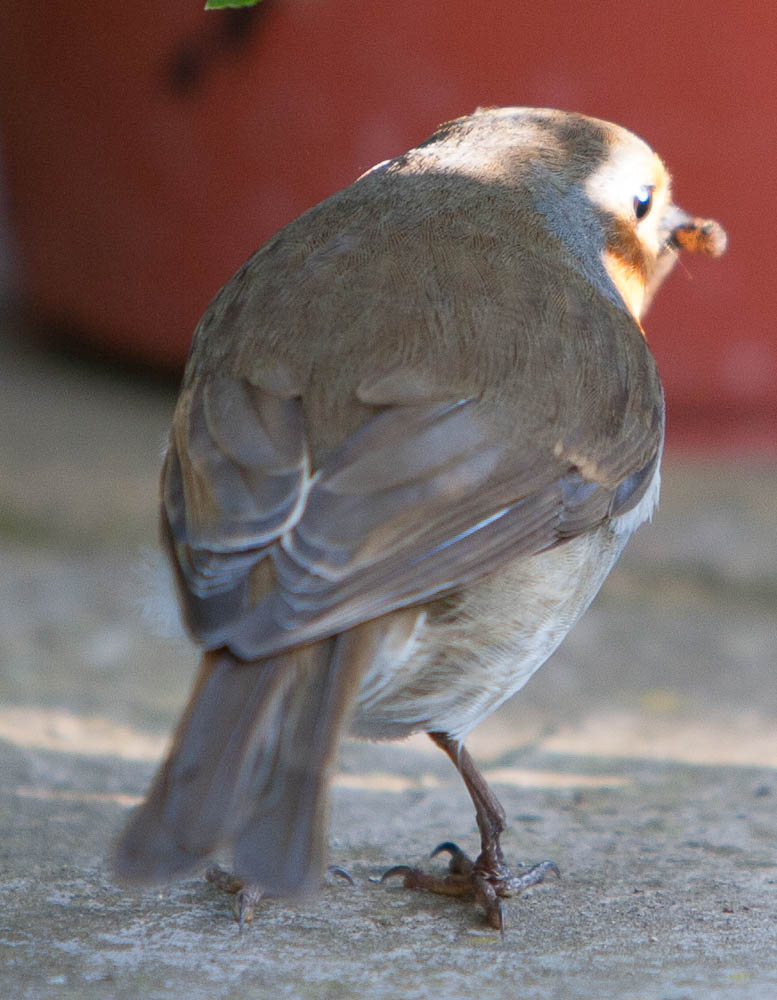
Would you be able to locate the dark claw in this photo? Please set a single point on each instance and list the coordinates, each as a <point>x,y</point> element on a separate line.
<point>396,870</point>
<point>447,845</point>
<point>340,873</point>
<point>460,863</point>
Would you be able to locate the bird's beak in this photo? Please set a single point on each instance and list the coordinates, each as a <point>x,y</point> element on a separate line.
<point>680,231</point>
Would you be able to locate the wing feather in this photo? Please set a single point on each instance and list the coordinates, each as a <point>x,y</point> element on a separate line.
<point>419,501</point>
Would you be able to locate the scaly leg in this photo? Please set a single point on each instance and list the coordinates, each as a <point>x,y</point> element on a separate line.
<point>488,879</point>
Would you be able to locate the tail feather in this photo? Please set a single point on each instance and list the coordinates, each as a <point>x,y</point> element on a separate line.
<point>249,768</point>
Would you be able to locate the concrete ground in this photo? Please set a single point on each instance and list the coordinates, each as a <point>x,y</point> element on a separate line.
<point>641,758</point>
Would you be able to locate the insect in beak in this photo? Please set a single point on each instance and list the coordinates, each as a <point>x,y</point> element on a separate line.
<point>680,231</point>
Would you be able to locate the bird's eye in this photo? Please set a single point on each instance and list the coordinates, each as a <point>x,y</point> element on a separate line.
<point>643,201</point>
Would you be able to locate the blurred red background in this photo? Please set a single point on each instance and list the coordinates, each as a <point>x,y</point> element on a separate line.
<point>150,148</point>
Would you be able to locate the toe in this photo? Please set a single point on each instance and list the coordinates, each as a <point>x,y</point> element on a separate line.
<point>460,863</point>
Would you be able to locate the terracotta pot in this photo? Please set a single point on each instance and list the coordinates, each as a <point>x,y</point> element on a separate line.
<point>151,147</point>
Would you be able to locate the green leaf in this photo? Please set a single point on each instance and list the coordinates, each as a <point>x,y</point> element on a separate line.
<point>220,4</point>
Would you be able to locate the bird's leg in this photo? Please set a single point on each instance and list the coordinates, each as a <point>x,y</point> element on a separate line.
<point>487,878</point>
<point>489,814</point>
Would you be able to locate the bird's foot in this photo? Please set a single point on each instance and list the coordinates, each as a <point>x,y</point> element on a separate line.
<point>247,894</point>
<point>487,880</point>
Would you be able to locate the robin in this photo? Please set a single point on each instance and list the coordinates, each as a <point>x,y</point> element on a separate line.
<point>415,431</point>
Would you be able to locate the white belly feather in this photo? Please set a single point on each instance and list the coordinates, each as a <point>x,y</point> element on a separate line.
<point>447,665</point>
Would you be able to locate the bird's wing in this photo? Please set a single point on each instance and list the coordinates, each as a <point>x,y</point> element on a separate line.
<point>420,500</point>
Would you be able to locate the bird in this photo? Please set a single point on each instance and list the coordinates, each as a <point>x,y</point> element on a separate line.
<point>414,433</point>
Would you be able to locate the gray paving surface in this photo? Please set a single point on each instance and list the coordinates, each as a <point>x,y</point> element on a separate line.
<point>642,758</point>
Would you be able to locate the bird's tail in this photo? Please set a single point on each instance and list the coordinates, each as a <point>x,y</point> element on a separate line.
<point>249,768</point>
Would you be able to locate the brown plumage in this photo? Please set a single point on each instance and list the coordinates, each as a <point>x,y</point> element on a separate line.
<point>415,431</point>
